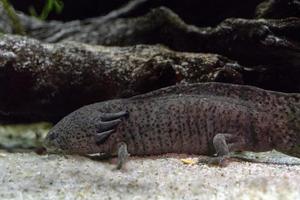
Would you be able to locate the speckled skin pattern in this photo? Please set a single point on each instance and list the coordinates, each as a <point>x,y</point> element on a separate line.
<point>184,119</point>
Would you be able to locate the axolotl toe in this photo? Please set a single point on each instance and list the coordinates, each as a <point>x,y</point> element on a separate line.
<point>203,118</point>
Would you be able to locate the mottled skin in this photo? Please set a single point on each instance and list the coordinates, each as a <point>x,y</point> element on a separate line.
<point>195,119</point>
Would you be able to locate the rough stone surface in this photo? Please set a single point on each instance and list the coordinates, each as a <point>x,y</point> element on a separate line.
<point>28,176</point>
<point>251,41</point>
<point>47,81</point>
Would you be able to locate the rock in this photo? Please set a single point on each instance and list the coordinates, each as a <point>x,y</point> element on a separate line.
<point>268,48</point>
<point>250,41</point>
<point>41,81</point>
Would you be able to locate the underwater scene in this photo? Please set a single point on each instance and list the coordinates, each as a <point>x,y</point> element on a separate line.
<point>149,99</point>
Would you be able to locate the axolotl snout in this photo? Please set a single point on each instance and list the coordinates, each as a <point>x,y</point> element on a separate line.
<point>203,118</point>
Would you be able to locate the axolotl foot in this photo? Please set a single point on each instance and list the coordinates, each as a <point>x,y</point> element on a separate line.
<point>122,155</point>
<point>223,143</point>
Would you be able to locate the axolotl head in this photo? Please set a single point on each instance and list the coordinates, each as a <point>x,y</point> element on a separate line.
<point>83,132</point>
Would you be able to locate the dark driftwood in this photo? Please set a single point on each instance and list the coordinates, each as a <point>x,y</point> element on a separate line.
<point>276,9</point>
<point>269,47</point>
<point>272,43</point>
<point>200,13</point>
<point>252,42</point>
<point>33,24</point>
<point>46,81</point>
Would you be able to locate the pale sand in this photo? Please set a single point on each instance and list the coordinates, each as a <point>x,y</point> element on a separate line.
<point>30,176</point>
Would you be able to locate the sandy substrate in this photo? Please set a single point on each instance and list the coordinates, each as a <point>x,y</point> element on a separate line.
<point>30,176</point>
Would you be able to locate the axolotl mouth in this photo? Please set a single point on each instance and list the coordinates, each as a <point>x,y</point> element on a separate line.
<point>51,144</point>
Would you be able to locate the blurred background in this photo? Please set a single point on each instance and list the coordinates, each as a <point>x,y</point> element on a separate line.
<point>201,13</point>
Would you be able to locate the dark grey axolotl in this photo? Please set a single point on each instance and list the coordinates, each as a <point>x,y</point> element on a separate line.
<point>202,118</point>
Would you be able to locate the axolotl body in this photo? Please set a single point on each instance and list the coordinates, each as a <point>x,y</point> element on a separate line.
<point>203,118</point>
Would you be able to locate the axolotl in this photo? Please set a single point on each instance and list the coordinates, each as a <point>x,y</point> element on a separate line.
<point>203,118</point>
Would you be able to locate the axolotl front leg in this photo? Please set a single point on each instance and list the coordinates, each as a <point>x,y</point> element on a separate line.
<point>106,126</point>
<point>122,155</point>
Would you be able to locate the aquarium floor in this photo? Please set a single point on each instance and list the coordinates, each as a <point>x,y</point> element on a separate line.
<point>30,176</point>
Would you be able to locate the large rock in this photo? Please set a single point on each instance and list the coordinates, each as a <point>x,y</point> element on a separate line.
<point>41,81</point>
<point>250,41</point>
